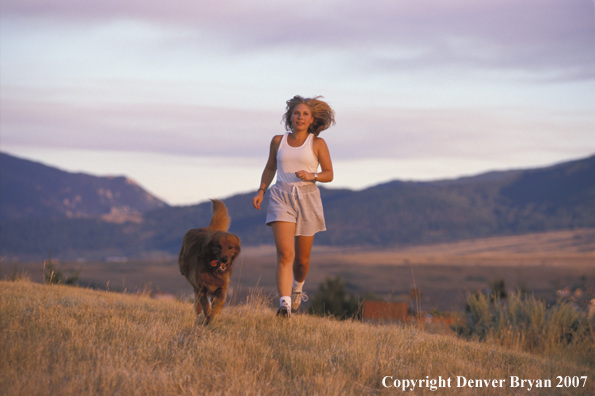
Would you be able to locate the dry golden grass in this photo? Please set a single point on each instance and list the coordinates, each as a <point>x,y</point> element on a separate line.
<point>58,340</point>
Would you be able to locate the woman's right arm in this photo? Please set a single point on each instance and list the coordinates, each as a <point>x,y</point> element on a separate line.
<point>269,172</point>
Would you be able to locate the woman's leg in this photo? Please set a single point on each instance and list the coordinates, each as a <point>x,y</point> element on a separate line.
<point>301,264</point>
<point>283,233</point>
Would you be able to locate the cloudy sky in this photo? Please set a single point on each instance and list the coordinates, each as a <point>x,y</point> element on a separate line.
<point>184,96</point>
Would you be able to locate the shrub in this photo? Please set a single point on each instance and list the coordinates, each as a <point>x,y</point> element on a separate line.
<point>333,299</point>
<point>52,275</point>
<point>499,289</point>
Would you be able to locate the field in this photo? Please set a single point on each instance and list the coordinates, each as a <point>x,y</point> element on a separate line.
<point>542,264</point>
<point>61,340</point>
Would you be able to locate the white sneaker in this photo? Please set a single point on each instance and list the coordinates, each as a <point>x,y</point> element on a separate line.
<point>284,312</point>
<point>296,300</point>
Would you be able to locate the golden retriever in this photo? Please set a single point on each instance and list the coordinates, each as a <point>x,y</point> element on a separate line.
<point>206,260</point>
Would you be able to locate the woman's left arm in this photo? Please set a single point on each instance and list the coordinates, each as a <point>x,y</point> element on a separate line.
<point>324,158</point>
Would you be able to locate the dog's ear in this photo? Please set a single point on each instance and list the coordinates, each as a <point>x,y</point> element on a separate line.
<point>206,242</point>
<point>207,246</point>
<point>210,243</point>
<point>238,244</point>
<point>235,242</point>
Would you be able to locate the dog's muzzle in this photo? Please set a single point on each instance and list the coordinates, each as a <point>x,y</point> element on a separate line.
<point>216,264</point>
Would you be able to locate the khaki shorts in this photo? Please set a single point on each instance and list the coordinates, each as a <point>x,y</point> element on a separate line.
<point>297,204</point>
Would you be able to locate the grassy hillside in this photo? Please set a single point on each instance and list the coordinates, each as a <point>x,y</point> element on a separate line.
<point>58,340</point>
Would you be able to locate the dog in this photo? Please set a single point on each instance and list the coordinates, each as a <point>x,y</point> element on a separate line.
<point>206,260</point>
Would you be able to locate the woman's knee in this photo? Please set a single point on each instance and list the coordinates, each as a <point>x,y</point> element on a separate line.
<point>301,262</point>
<point>285,257</point>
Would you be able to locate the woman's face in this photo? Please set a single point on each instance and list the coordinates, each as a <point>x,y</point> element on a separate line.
<point>301,118</point>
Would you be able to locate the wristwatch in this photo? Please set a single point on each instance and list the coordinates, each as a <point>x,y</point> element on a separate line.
<point>315,177</point>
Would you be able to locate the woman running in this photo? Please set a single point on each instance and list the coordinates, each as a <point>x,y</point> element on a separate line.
<point>295,209</point>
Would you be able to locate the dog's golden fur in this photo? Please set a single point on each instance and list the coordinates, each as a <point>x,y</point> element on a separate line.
<point>206,260</point>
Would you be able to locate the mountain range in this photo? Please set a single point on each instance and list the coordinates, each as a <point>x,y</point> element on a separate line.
<point>76,215</point>
<point>32,190</point>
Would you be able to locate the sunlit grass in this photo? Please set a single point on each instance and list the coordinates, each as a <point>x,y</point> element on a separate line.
<point>62,340</point>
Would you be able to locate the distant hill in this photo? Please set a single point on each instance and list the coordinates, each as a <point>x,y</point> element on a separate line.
<point>494,203</point>
<point>395,213</point>
<point>30,190</point>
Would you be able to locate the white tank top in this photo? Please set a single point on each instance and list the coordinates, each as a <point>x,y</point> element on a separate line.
<point>293,159</point>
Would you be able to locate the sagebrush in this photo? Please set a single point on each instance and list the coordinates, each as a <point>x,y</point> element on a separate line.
<point>523,322</point>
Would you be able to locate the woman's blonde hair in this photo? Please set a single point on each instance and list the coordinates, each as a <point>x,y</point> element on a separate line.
<point>323,115</point>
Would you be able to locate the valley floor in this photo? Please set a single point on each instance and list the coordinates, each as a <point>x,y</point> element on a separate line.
<point>549,265</point>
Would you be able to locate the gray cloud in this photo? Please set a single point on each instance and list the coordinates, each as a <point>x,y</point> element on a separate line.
<point>174,129</point>
<point>227,132</point>
<point>536,42</point>
<point>549,38</point>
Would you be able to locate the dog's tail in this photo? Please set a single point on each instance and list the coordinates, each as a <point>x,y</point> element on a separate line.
<point>221,219</point>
